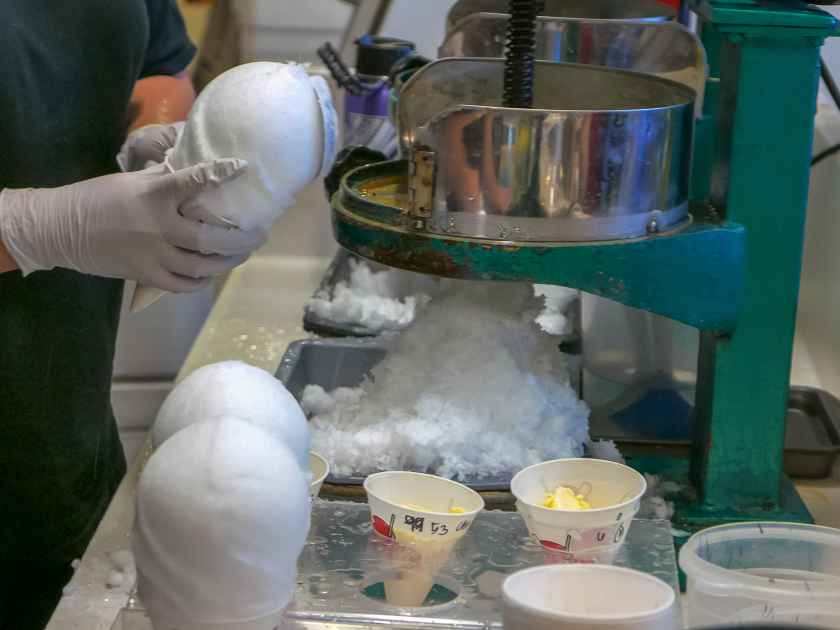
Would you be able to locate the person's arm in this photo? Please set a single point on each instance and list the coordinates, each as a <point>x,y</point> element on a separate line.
<point>161,100</point>
<point>7,263</point>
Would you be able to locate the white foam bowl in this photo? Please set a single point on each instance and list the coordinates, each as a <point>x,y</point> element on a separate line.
<point>320,468</point>
<point>586,536</point>
<point>388,494</point>
<point>587,597</point>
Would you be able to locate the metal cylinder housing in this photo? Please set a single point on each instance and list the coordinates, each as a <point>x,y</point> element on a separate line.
<point>604,154</point>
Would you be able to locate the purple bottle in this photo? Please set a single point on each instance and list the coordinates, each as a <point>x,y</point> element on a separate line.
<point>366,119</point>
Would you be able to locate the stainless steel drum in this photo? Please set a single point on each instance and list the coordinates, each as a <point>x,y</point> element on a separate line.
<point>604,154</point>
<point>641,10</point>
<point>668,50</point>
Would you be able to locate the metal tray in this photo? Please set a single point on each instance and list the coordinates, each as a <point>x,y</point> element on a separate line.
<point>339,270</point>
<point>333,363</point>
<point>343,557</point>
<point>813,427</point>
<point>812,440</point>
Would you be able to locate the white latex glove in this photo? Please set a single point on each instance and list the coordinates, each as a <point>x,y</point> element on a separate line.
<point>147,146</point>
<point>127,226</point>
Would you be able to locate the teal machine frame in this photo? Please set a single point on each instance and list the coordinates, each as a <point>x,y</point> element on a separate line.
<point>733,274</point>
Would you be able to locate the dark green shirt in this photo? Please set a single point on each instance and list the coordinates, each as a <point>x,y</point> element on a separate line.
<point>67,70</point>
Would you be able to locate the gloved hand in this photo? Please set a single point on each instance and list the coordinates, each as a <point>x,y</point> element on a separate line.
<point>147,146</point>
<point>128,226</point>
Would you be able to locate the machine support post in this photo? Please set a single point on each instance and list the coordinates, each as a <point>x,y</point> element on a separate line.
<point>764,130</point>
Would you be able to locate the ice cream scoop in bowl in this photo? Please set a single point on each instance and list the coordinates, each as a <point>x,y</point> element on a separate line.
<point>579,509</point>
<point>426,515</point>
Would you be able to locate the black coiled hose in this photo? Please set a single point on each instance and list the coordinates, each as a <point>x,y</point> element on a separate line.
<point>519,53</point>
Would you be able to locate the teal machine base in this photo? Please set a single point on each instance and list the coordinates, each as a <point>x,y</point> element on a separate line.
<point>732,272</point>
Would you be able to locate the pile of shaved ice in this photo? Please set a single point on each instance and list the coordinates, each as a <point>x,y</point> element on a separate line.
<point>378,301</point>
<point>474,389</point>
<point>385,299</point>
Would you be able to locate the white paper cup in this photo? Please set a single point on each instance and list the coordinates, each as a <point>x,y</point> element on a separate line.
<point>584,536</point>
<point>414,510</point>
<point>320,468</point>
<point>394,499</point>
<point>587,597</point>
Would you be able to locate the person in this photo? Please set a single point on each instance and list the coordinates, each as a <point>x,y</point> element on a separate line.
<point>75,77</point>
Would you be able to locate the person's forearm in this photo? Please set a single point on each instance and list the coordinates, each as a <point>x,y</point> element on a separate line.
<point>161,100</point>
<point>7,263</point>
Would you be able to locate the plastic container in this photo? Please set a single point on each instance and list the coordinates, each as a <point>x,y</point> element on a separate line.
<point>585,536</point>
<point>426,515</point>
<point>751,572</point>
<point>556,597</point>
<point>802,617</point>
<point>320,468</point>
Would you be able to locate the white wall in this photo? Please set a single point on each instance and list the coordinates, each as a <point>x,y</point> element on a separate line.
<point>420,21</point>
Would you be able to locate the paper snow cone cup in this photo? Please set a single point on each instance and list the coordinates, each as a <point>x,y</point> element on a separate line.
<point>584,536</point>
<point>426,516</point>
<point>319,468</point>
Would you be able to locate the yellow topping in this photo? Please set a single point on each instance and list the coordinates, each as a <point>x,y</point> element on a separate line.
<point>564,498</point>
<point>420,508</point>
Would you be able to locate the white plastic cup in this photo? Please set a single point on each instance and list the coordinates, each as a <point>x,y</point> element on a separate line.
<point>414,510</point>
<point>320,469</point>
<point>581,536</point>
<point>758,572</point>
<point>587,597</point>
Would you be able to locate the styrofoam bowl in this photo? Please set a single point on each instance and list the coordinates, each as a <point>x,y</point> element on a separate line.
<point>588,536</point>
<point>320,468</point>
<point>389,493</point>
<point>587,597</point>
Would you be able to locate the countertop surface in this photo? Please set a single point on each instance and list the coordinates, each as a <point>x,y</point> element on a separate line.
<point>258,313</point>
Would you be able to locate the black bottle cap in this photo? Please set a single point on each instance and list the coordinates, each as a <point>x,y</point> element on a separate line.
<point>377,55</point>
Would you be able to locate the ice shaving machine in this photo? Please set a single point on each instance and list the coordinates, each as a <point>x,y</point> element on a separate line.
<point>616,152</point>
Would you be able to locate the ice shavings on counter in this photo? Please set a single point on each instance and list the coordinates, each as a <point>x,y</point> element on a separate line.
<point>474,389</point>
<point>375,300</point>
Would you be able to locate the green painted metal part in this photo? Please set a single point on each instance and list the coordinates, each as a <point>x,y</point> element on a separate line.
<point>733,273</point>
<point>649,273</point>
<point>764,130</point>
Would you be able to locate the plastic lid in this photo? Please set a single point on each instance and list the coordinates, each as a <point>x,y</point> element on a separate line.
<point>377,55</point>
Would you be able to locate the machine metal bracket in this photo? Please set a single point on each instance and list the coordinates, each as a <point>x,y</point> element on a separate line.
<point>421,184</point>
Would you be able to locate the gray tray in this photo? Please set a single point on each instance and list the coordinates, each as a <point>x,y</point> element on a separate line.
<point>812,439</point>
<point>333,363</point>
<point>339,271</point>
<point>343,557</point>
